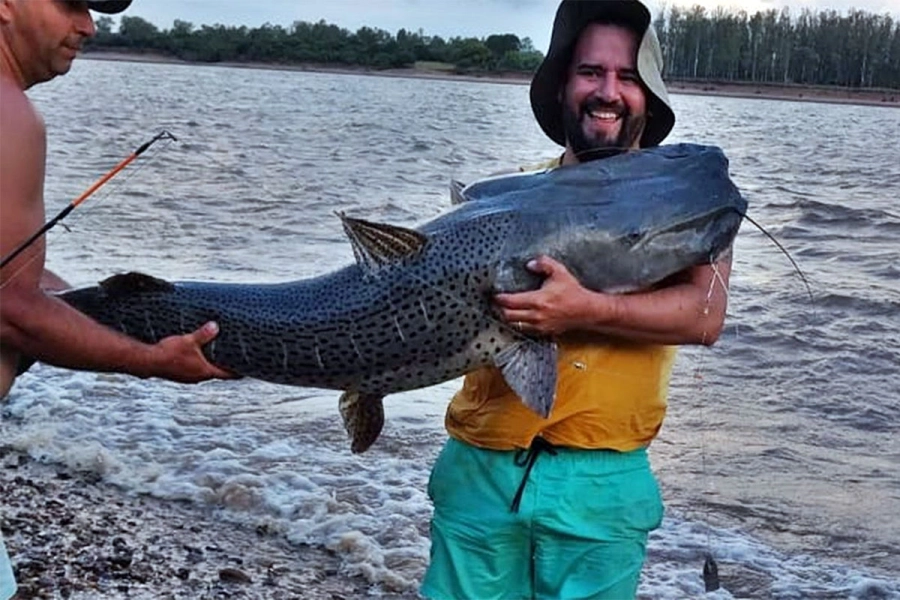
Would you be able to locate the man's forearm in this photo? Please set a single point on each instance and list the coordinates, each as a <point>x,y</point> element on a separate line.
<point>49,330</point>
<point>688,312</point>
<point>672,316</point>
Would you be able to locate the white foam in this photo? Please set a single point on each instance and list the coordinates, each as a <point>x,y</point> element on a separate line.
<point>282,461</point>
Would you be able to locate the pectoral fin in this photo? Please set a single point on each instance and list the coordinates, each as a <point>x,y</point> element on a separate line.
<point>363,416</point>
<point>529,369</point>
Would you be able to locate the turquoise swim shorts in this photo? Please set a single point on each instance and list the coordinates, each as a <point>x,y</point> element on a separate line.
<point>547,523</point>
<point>7,581</point>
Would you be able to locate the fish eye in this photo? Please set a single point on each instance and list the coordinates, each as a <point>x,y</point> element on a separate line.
<point>633,237</point>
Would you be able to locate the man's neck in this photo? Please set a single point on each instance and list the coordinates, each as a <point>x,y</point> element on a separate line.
<point>569,157</point>
<point>9,67</point>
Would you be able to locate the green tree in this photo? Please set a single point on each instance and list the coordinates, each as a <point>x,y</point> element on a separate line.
<point>138,33</point>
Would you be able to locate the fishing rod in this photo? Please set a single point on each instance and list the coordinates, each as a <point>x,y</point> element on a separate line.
<point>163,135</point>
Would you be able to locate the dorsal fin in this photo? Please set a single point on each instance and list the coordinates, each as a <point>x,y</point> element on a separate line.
<point>126,284</point>
<point>378,244</point>
<point>456,192</point>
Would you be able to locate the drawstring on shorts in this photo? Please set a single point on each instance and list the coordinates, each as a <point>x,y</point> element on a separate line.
<point>526,458</point>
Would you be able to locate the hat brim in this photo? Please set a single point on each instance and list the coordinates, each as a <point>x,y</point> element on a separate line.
<point>571,18</point>
<point>109,7</point>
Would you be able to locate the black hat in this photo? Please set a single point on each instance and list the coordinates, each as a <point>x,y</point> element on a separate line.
<point>571,18</point>
<point>109,7</point>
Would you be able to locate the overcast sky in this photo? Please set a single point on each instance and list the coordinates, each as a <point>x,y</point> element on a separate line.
<point>446,18</point>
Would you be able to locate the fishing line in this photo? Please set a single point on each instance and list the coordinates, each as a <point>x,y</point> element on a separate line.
<point>237,171</point>
<point>710,570</point>
<point>163,135</point>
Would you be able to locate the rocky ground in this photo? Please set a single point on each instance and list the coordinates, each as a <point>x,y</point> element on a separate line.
<point>73,537</point>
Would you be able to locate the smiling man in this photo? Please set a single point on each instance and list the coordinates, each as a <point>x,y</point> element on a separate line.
<point>38,41</point>
<point>527,507</point>
<point>603,104</point>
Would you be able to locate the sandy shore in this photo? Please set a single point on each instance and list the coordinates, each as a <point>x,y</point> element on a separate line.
<point>797,93</point>
<point>71,536</point>
<point>877,97</point>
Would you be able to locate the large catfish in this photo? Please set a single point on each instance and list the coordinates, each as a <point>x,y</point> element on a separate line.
<point>415,309</point>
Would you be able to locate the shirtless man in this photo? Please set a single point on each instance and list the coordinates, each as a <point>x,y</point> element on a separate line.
<point>38,41</point>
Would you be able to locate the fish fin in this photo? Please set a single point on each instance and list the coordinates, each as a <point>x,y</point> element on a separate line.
<point>456,192</point>
<point>529,368</point>
<point>378,244</point>
<point>117,286</point>
<point>127,284</point>
<point>363,416</point>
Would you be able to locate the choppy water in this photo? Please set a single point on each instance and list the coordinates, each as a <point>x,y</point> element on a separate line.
<point>781,453</point>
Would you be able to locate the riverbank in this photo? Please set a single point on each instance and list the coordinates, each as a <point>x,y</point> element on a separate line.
<point>796,93</point>
<point>72,536</point>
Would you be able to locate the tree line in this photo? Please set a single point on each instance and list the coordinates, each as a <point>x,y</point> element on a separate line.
<point>858,50</point>
<point>318,43</point>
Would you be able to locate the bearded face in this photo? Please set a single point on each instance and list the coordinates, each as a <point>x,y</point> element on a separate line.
<point>596,128</point>
<point>603,100</point>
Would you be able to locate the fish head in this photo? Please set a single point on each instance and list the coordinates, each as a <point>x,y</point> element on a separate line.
<point>668,248</point>
<point>632,221</point>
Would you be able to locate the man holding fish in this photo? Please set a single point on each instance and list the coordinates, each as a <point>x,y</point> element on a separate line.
<point>39,39</point>
<point>527,507</point>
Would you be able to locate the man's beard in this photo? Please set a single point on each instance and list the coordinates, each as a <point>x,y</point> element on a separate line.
<point>599,145</point>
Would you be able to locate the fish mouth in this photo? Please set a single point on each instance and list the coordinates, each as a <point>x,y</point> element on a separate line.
<point>717,230</point>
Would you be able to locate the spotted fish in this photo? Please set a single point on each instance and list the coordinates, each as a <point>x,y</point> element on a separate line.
<point>415,308</point>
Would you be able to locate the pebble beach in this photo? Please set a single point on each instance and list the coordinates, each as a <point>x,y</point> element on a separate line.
<point>73,536</point>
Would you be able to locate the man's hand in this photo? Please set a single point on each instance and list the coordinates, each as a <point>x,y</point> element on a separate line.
<point>688,309</point>
<point>559,306</point>
<point>180,357</point>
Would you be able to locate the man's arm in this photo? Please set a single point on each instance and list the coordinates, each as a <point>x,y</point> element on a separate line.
<point>51,282</point>
<point>45,328</point>
<point>689,309</point>
<point>49,330</point>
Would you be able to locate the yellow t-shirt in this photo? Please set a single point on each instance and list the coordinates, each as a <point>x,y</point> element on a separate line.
<point>610,394</point>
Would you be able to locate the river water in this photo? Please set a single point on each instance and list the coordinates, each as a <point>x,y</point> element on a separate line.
<point>781,452</point>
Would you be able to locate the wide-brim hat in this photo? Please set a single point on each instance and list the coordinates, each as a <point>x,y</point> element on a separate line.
<point>571,18</point>
<point>109,7</point>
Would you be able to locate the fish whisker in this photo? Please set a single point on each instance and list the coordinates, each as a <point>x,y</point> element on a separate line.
<point>783,251</point>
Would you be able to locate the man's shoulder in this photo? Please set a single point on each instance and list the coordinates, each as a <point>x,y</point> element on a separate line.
<point>16,111</point>
<point>551,163</point>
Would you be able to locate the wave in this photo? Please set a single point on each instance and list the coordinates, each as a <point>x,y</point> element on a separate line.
<point>816,212</point>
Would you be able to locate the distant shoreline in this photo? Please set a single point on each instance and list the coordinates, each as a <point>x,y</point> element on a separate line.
<point>786,92</point>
